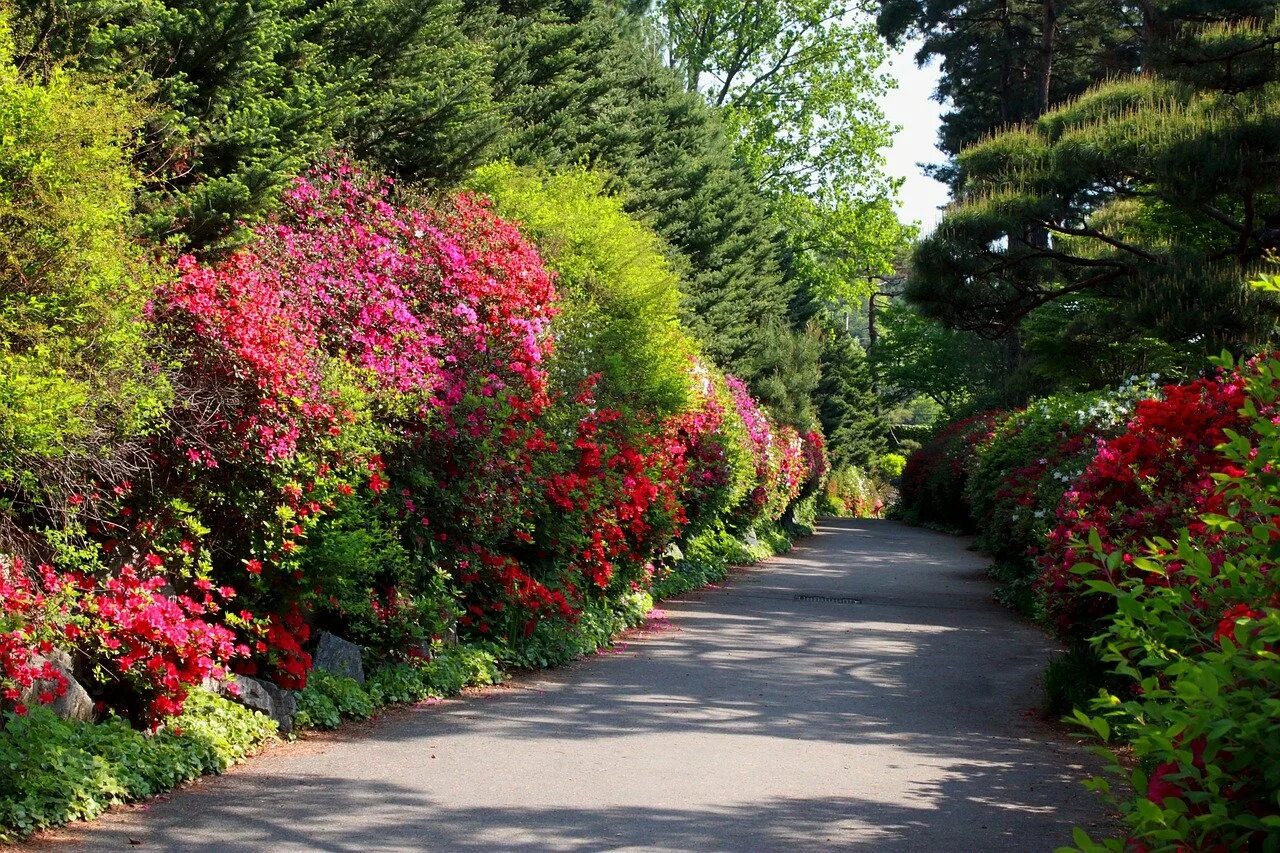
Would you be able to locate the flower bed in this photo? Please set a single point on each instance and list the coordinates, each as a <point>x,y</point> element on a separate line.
<point>388,419</point>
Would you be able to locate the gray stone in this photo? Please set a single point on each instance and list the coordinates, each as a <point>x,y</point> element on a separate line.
<point>263,696</point>
<point>751,538</point>
<point>74,704</point>
<point>338,657</point>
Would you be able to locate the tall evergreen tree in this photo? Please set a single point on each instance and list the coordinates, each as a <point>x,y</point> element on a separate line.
<point>1004,62</point>
<point>582,86</point>
<point>849,406</point>
<point>244,95</point>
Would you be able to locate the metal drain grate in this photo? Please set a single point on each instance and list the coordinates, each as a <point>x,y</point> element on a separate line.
<point>829,599</point>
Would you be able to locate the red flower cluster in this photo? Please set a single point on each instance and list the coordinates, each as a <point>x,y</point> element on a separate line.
<point>934,480</point>
<point>1149,481</point>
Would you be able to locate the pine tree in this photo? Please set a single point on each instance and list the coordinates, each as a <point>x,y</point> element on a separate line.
<point>848,404</point>
<point>246,95</point>
<point>1145,205</point>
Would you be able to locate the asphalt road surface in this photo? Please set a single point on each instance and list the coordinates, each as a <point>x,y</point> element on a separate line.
<point>862,693</point>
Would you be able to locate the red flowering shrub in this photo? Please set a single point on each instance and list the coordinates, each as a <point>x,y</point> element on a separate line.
<point>351,325</point>
<point>1195,635</point>
<point>935,476</point>
<point>1155,477</point>
<point>151,643</point>
<point>816,464</point>
<point>370,432</point>
<point>718,462</point>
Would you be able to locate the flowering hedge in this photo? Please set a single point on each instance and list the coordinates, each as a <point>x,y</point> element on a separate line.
<point>1195,639</point>
<point>386,415</point>
<point>1147,522</point>
<point>935,476</point>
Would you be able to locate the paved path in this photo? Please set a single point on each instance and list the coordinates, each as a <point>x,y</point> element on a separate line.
<point>862,693</point>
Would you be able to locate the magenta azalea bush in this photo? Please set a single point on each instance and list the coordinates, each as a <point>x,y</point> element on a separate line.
<point>368,433</point>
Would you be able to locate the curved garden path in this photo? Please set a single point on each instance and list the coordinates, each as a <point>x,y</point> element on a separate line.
<point>861,693</point>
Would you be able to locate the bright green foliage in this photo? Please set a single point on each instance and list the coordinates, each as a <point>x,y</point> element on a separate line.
<point>800,79</point>
<point>75,771</point>
<point>916,356</point>
<point>622,298</point>
<point>328,699</point>
<point>74,387</point>
<point>1198,655</point>
<point>581,86</point>
<point>378,592</point>
<point>846,248</point>
<point>246,96</point>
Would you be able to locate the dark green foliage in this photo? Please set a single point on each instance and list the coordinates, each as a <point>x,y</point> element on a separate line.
<point>582,87</point>
<point>57,771</point>
<point>1138,210</point>
<point>246,95</point>
<point>356,555</point>
<point>916,356</point>
<point>1072,679</point>
<point>1007,61</point>
<point>848,404</point>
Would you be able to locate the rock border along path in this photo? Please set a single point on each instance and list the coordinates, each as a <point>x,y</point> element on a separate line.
<point>861,693</point>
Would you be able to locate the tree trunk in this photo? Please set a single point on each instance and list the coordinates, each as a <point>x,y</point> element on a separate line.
<point>1048,37</point>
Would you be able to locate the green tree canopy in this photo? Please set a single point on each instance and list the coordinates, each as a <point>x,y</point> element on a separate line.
<point>1155,196</point>
<point>246,95</point>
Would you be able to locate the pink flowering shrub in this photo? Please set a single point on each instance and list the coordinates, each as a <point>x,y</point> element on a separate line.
<point>370,433</point>
<point>150,643</point>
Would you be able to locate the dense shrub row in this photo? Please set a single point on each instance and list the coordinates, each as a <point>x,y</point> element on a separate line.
<point>386,414</point>
<point>1140,525</point>
<point>383,414</point>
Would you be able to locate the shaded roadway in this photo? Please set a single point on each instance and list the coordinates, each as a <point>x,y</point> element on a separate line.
<point>861,693</point>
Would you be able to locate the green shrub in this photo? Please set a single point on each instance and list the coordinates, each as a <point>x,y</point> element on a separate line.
<point>75,383</point>
<point>1032,458</point>
<point>891,465</point>
<point>620,314</point>
<point>850,492</point>
<point>329,698</point>
<point>376,591</point>
<point>398,684</point>
<point>456,667</point>
<point>58,771</point>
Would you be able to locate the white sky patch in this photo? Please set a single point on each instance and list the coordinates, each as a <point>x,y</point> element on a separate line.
<point>912,108</point>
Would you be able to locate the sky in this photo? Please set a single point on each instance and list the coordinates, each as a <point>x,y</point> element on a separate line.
<point>911,107</point>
